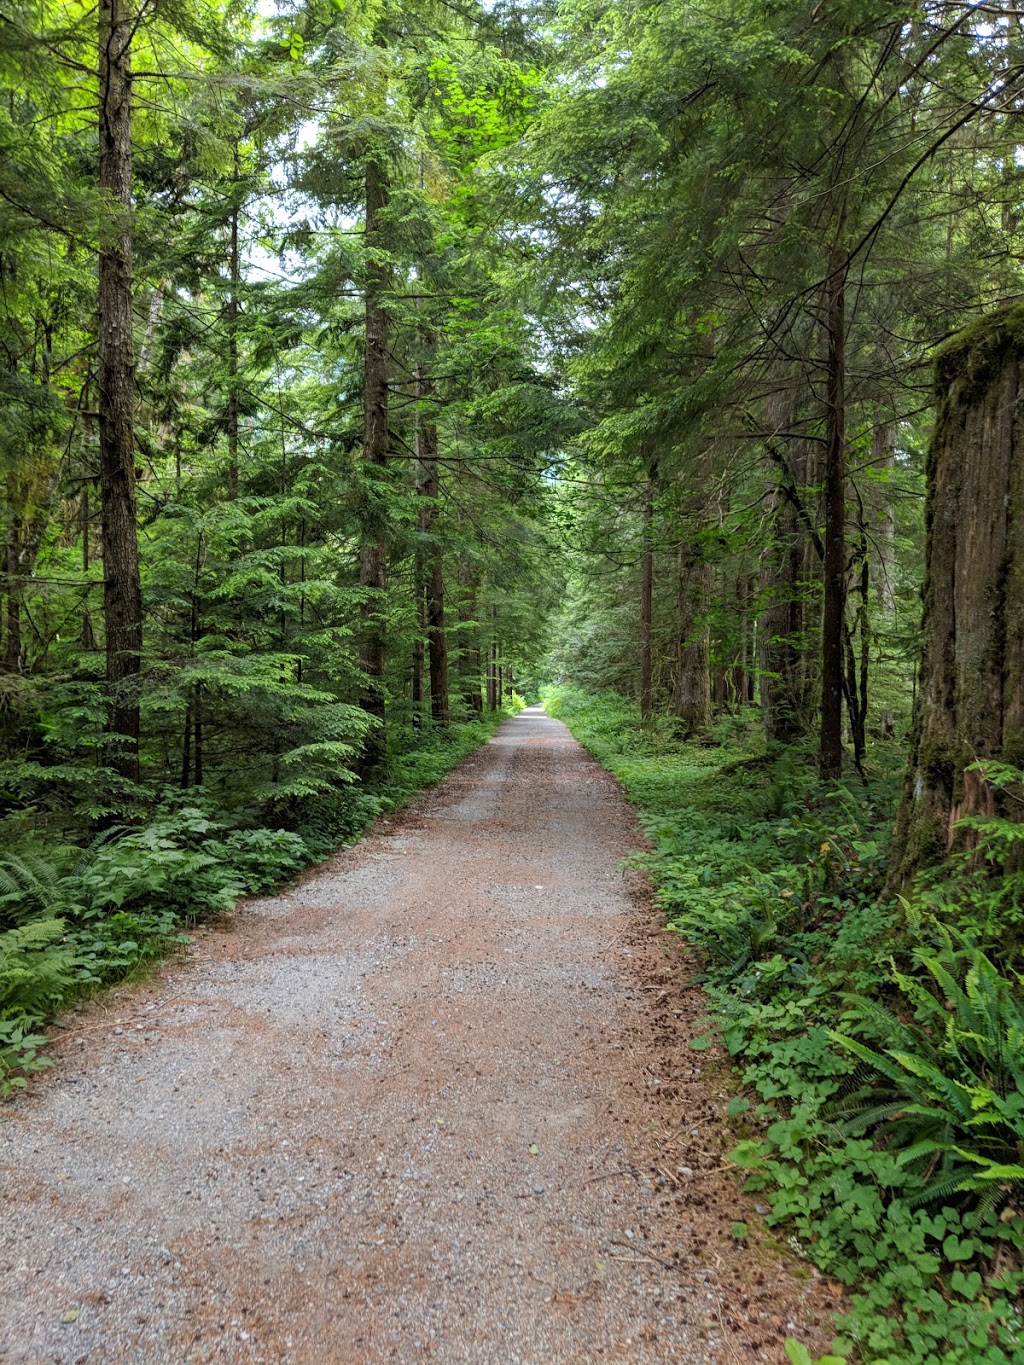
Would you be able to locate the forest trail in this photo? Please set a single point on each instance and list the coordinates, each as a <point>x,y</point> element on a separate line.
<point>434,1102</point>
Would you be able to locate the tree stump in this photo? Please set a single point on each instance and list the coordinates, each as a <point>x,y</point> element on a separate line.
<point>970,704</point>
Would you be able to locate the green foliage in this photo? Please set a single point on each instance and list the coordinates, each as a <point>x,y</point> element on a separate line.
<point>799,1355</point>
<point>19,1054</point>
<point>948,1085</point>
<point>980,888</point>
<point>75,919</point>
<point>36,968</point>
<point>881,1117</point>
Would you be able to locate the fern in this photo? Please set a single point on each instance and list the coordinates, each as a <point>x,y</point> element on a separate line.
<point>948,1088</point>
<point>36,969</point>
<point>29,884</point>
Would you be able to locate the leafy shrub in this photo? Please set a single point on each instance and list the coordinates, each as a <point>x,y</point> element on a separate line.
<point>19,1054</point>
<point>79,918</point>
<point>776,883</point>
<point>948,1085</point>
<point>36,969</point>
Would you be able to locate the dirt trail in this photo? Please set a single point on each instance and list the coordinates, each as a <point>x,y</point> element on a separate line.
<point>433,1103</point>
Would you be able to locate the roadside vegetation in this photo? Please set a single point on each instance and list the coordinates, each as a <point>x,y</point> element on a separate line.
<point>877,1040</point>
<point>75,917</point>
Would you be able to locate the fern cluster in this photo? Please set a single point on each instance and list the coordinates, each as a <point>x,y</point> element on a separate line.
<point>946,1076</point>
<point>74,917</point>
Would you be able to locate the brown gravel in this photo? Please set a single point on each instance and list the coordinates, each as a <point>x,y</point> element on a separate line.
<point>435,1102</point>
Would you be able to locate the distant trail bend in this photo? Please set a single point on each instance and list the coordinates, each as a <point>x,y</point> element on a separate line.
<point>433,1103</point>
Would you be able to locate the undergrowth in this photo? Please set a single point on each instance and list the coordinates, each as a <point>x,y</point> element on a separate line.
<point>878,1041</point>
<point>77,916</point>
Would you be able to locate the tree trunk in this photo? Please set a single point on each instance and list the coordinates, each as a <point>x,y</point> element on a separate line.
<point>376,438</point>
<point>782,628</point>
<point>492,670</point>
<point>691,697</point>
<point>883,457</point>
<point>87,638</point>
<point>186,749</point>
<point>647,606</point>
<point>970,702</point>
<point>122,590</point>
<point>418,651</point>
<point>12,638</point>
<point>830,754</point>
<point>742,677</point>
<point>437,639</point>
<point>469,647</point>
<point>235,268</point>
<point>429,487</point>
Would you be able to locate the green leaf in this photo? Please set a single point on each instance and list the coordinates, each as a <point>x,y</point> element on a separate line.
<point>956,1250</point>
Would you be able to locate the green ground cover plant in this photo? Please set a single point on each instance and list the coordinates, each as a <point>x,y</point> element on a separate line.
<point>75,917</point>
<point>877,1040</point>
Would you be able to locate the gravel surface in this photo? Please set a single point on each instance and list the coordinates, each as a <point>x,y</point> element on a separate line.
<point>434,1102</point>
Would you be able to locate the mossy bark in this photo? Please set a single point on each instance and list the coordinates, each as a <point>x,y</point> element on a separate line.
<point>971,697</point>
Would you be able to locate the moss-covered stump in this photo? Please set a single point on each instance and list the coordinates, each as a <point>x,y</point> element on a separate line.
<point>970,703</point>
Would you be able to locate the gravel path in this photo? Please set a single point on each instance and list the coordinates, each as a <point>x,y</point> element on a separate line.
<point>432,1103</point>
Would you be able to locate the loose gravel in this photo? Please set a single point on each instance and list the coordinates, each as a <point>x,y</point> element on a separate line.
<point>433,1103</point>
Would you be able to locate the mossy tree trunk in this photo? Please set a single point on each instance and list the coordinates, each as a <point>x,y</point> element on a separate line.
<point>970,703</point>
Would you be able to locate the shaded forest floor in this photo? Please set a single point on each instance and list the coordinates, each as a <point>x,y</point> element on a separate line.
<point>436,1101</point>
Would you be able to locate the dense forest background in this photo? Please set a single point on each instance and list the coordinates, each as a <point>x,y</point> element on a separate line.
<point>368,366</point>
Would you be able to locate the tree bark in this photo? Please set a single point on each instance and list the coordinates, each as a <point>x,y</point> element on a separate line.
<point>647,606</point>
<point>742,675</point>
<point>691,697</point>
<point>87,637</point>
<point>830,754</point>
<point>492,671</point>
<point>883,457</point>
<point>122,590</point>
<point>233,310</point>
<point>469,646</point>
<point>376,440</point>
<point>782,629</point>
<point>970,699</point>
<point>418,651</point>
<point>429,487</point>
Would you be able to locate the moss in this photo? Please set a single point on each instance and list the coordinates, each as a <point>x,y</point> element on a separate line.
<point>975,355</point>
<point>941,764</point>
<point>1013,748</point>
<point>926,841</point>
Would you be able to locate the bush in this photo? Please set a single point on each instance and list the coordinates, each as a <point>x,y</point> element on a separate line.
<point>882,1057</point>
<point>74,919</point>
